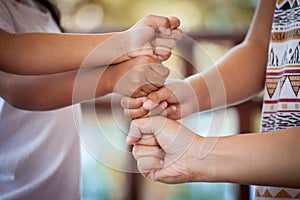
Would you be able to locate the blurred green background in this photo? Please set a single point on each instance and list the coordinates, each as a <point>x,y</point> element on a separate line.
<point>90,15</point>
<point>103,182</point>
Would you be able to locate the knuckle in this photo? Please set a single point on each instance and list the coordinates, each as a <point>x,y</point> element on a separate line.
<point>156,42</point>
<point>162,49</point>
<point>153,96</point>
<point>127,113</point>
<point>176,20</point>
<point>179,34</point>
<point>166,21</point>
<point>124,103</point>
<point>135,150</point>
<point>157,67</point>
<point>138,93</point>
<point>165,72</point>
<point>141,165</point>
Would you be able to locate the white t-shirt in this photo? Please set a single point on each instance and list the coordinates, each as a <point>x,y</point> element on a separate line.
<point>39,151</point>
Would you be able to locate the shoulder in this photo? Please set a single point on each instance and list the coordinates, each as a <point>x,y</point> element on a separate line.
<point>6,10</point>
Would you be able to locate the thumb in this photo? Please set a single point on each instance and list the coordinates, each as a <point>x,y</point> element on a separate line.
<point>142,126</point>
<point>160,22</point>
<point>154,98</point>
<point>174,22</point>
<point>138,127</point>
<point>134,134</point>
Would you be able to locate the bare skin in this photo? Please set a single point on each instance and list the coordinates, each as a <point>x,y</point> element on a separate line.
<point>46,53</point>
<point>168,152</point>
<point>52,91</point>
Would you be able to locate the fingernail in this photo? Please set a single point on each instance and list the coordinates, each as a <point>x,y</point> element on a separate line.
<point>128,139</point>
<point>174,108</point>
<point>164,104</point>
<point>148,104</point>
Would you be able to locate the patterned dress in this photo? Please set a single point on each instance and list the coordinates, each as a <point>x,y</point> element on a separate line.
<point>281,106</point>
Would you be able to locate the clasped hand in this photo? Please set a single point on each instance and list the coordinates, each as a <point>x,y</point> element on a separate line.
<point>162,146</point>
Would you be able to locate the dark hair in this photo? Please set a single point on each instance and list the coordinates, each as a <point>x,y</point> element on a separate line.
<point>53,10</point>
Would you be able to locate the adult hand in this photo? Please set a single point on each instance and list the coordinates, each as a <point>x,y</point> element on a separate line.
<point>175,100</point>
<point>138,77</point>
<point>165,150</point>
<point>153,35</point>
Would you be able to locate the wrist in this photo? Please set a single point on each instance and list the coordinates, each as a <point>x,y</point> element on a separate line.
<point>123,47</point>
<point>202,168</point>
<point>107,80</point>
<point>201,93</point>
<point>192,93</point>
<point>198,170</point>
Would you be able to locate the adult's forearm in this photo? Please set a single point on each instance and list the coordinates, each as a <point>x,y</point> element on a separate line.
<point>46,53</point>
<point>260,159</point>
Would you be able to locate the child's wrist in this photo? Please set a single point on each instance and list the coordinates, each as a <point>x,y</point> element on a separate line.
<point>123,46</point>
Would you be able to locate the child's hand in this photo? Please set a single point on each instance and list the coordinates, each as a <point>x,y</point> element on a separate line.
<point>154,36</point>
<point>138,77</point>
<point>175,100</point>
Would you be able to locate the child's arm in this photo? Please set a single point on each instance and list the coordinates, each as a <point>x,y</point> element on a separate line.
<point>236,77</point>
<point>46,92</point>
<point>45,53</point>
<point>240,74</point>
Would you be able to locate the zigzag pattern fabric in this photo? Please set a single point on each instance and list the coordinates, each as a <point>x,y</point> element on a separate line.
<point>281,106</point>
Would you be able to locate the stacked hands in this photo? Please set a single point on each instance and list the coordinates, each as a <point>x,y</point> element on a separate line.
<point>130,63</point>
<point>162,146</point>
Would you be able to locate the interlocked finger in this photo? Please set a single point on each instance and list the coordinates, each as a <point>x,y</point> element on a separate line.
<point>135,113</point>
<point>164,42</point>
<point>128,102</point>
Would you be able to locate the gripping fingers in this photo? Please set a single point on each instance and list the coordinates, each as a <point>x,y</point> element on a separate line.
<point>140,151</point>
<point>161,109</point>
<point>165,25</point>
<point>174,22</point>
<point>148,88</point>
<point>158,110</point>
<point>135,113</point>
<point>138,93</point>
<point>147,140</point>
<point>128,102</point>
<point>153,99</point>
<point>156,75</point>
<point>162,53</point>
<point>164,42</point>
<point>160,69</point>
<point>175,34</point>
<point>147,164</point>
<point>170,112</point>
<point>162,47</point>
<point>160,22</point>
